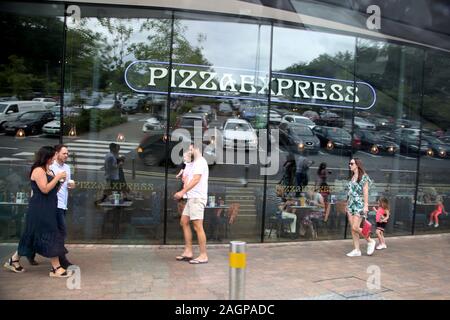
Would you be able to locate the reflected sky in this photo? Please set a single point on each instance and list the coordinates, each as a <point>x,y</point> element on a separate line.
<point>247,46</point>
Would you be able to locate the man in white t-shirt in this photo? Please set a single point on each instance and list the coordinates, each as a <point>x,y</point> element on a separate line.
<point>196,189</point>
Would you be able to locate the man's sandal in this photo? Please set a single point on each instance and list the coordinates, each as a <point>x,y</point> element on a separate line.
<point>54,274</point>
<point>10,266</point>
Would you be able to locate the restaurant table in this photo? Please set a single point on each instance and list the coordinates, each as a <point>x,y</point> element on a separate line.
<point>301,212</point>
<point>118,210</point>
<point>17,216</point>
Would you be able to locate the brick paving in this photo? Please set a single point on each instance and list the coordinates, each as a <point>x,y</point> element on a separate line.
<point>413,267</point>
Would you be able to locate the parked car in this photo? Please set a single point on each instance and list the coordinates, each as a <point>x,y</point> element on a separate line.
<point>47,102</point>
<point>383,123</point>
<point>238,133</point>
<point>189,120</point>
<point>298,138</point>
<point>225,109</point>
<point>152,150</point>
<point>375,143</point>
<point>436,147</point>
<point>133,105</point>
<point>205,109</point>
<point>31,122</point>
<point>291,118</point>
<point>363,123</point>
<point>153,125</point>
<point>333,138</point>
<point>109,104</point>
<point>330,119</point>
<point>10,110</point>
<point>409,144</point>
<point>311,115</point>
<point>274,117</point>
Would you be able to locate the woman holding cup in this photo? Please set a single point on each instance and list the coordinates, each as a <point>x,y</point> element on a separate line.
<point>42,234</point>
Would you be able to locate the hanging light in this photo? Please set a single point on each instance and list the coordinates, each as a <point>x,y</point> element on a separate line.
<point>120,137</point>
<point>73,132</point>
<point>374,149</point>
<point>330,145</point>
<point>20,134</point>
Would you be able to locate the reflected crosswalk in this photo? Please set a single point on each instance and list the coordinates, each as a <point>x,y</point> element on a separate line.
<point>90,154</point>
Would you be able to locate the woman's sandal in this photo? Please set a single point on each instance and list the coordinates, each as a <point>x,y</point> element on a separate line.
<point>54,274</point>
<point>10,266</point>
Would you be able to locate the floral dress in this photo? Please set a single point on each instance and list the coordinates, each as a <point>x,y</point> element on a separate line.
<point>355,196</point>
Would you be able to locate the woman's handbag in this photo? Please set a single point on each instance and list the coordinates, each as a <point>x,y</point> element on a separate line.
<point>366,228</point>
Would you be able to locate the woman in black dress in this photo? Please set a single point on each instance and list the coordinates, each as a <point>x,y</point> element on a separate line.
<point>42,235</point>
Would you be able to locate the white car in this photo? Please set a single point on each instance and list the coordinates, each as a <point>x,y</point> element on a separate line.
<point>290,118</point>
<point>363,123</point>
<point>151,125</point>
<point>239,134</point>
<point>47,102</point>
<point>274,117</point>
<point>52,128</point>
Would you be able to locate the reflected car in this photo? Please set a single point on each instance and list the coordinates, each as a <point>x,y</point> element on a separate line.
<point>436,147</point>
<point>47,102</point>
<point>363,123</point>
<point>31,122</point>
<point>292,118</point>
<point>298,138</point>
<point>311,115</point>
<point>375,143</point>
<point>410,144</point>
<point>274,117</point>
<point>153,125</point>
<point>152,152</point>
<point>383,123</point>
<point>108,104</point>
<point>205,109</point>
<point>239,134</point>
<point>225,109</point>
<point>333,138</point>
<point>189,120</point>
<point>133,105</point>
<point>330,119</point>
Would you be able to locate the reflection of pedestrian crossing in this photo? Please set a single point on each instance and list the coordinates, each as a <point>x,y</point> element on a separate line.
<point>90,154</point>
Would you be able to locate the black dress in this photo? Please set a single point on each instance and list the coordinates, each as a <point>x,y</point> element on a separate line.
<point>42,235</point>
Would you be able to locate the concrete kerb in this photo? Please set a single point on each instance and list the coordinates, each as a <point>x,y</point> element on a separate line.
<point>226,245</point>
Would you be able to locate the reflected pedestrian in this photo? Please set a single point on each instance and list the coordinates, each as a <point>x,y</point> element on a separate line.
<point>323,188</point>
<point>42,234</point>
<point>358,205</point>
<point>111,171</point>
<point>302,165</point>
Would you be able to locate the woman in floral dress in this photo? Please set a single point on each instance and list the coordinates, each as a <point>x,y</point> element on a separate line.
<point>358,205</point>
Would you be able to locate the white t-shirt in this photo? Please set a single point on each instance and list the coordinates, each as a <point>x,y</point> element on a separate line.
<point>199,166</point>
<point>63,192</point>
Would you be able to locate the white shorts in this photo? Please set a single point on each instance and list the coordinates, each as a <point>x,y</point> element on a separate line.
<point>195,208</point>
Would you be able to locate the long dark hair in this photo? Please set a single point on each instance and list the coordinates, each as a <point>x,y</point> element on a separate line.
<point>322,166</point>
<point>42,157</point>
<point>361,170</point>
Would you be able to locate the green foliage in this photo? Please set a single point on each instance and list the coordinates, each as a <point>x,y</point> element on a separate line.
<point>94,120</point>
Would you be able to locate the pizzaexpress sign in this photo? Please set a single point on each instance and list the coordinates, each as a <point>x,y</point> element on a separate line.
<point>147,76</point>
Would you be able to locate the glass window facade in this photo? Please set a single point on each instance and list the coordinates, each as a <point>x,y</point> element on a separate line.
<point>279,109</point>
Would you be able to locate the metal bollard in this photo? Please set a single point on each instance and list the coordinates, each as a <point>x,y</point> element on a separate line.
<point>238,265</point>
